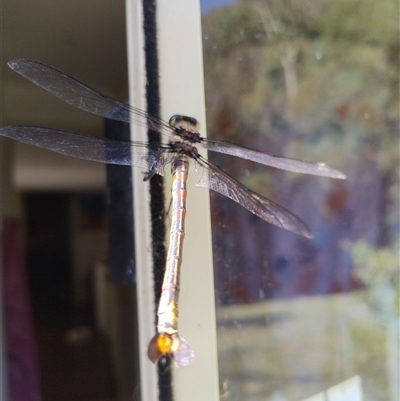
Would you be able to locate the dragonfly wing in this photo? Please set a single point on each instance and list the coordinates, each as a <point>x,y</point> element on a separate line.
<point>87,147</point>
<point>217,180</point>
<point>282,163</point>
<point>80,95</point>
<point>183,355</point>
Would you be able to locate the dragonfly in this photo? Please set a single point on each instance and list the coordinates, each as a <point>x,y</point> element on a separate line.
<point>181,145</point>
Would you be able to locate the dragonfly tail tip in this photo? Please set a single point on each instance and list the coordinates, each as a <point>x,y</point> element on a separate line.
<point>153,351</point>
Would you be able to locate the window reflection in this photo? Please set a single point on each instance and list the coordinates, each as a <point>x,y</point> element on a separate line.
<point>316,82</point>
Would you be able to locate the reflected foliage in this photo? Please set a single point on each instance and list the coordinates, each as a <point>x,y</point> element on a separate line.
<point>378,270</point>
<point>317,82</point>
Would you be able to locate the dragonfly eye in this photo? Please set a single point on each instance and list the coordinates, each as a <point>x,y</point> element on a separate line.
<point>184,122</point>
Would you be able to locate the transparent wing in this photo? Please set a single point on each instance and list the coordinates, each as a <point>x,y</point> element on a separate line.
<point>217,180</point>
<point>89,148</point>
<point>183,355</point>
<point>80,95</point>
<point>282,163</point>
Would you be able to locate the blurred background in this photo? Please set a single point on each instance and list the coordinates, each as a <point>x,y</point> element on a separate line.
<point>316,81</point>
<point>297,318</point>
<point>54,223</point>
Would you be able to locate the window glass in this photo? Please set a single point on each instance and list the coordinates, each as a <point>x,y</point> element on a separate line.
<point>315,81</point>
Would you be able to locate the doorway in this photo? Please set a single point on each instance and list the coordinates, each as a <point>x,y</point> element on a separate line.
<point>49,250</point>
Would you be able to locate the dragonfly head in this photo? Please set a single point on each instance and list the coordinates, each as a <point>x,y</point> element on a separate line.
<point>183,122</point>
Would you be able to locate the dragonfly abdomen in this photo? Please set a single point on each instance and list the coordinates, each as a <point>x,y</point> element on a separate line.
<point>167,340</point>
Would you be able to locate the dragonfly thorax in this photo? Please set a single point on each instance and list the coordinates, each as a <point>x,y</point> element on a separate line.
<point>187,128</point>
<point>184,148</point>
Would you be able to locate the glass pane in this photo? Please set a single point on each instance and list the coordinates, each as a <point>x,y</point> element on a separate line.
<point>315,81</point>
